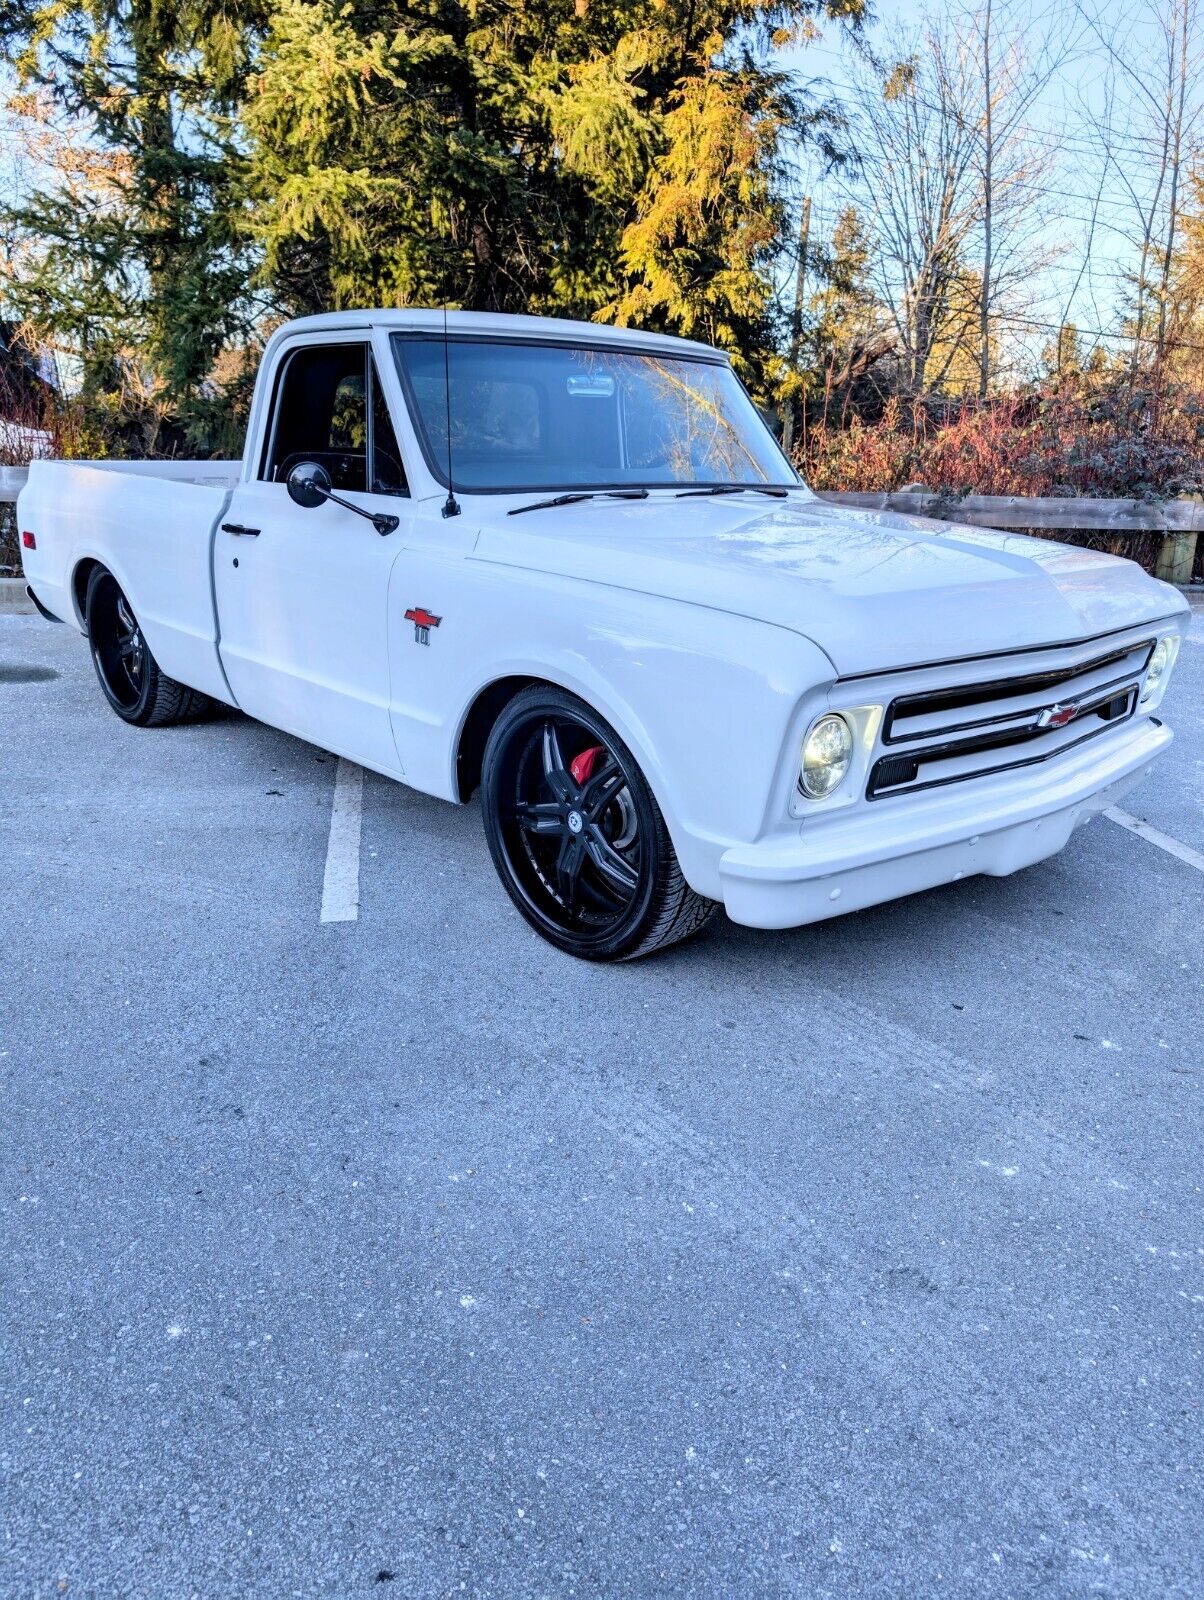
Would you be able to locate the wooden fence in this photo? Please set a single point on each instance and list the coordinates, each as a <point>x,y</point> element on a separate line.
<point>1174,526</point>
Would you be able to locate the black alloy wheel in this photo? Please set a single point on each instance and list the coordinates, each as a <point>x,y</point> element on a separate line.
<point>138,691</point>
<point>576,834</point>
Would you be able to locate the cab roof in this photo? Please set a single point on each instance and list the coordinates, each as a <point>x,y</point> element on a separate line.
<point>412,319</point>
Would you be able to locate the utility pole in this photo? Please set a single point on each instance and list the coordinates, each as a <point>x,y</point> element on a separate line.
<point>1176,163</point>
<point>988,197</point>
<point>796,320</point>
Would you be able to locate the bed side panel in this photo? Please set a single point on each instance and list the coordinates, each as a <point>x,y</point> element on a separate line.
<point>153,532</point>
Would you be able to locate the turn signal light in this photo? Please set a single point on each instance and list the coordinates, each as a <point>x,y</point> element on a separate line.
<point>28,540</point>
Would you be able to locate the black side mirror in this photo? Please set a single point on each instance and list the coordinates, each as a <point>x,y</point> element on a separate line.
<point>309,485</point>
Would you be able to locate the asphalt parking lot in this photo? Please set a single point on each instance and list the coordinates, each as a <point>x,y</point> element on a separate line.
<point>400,1255</point>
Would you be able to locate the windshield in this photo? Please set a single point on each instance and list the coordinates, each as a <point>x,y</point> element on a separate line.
<point>544,416</point>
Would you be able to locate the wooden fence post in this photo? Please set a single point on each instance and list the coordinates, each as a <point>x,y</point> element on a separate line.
<point>1177,556</point>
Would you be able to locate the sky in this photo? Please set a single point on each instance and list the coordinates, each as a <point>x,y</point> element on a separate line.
<point>1092,130</point>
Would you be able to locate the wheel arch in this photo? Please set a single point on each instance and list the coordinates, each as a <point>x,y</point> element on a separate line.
<point>81,576</point>
<point>489,701</point>
<point>86,562</point>
<point>477,724</point>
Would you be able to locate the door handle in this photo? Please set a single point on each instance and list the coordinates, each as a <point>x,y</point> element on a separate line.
<point>237,527</point>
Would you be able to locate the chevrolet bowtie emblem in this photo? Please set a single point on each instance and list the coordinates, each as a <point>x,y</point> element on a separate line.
<point>423,621</point>
<point>1058,716</point>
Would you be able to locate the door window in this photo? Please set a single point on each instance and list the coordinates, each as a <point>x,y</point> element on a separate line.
<point>330,409</point>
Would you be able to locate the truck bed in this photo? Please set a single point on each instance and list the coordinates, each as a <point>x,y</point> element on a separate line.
<point>215,474</point>
<point>151,523</point>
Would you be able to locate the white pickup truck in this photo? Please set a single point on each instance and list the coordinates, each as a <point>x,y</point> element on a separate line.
<point>569,566</point>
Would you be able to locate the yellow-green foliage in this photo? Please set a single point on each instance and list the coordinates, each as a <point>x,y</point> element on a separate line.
<point>615,159</point>
<point>707,218</point>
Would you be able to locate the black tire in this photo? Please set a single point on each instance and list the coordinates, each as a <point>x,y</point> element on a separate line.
<point>576,834</point>
<point>129,674</point>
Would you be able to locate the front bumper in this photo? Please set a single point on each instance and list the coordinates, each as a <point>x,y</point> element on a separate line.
<point>872,853</point>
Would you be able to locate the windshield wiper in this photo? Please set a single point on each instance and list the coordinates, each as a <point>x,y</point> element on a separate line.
<point>737,488</point>
<point>574,499</point>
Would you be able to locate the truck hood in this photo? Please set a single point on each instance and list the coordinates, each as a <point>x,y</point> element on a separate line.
<point>875,590</point>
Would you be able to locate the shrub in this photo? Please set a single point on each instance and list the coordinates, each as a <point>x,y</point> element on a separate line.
<point>1118,444</point>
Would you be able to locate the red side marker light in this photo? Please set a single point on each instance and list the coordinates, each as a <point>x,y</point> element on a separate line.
<point>28,540</point>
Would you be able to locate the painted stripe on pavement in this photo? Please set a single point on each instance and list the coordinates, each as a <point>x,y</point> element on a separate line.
<point>341,883</point>
<point>1173,847</point>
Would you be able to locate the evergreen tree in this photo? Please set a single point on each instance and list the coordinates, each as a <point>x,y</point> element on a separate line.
<point>140,271</point>
<point>1062,357</point>
<point>609,159</point>
<point>847,330</point>
<point>622,161</point>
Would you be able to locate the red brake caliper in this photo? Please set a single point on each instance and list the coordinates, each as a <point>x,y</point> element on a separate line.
<point>582,766</point>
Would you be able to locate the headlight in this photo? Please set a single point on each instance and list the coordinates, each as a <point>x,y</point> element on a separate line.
<point>827,752</point>
<point>1158,663</point>
<point>1162,660</point>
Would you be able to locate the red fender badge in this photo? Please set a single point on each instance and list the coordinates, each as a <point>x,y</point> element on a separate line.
<point>423,621</point>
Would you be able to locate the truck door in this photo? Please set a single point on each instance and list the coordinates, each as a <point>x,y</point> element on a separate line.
<point>302,594</point>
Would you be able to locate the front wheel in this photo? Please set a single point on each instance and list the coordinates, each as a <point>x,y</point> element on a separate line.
<point>576,835</point>
<point>129,674</point>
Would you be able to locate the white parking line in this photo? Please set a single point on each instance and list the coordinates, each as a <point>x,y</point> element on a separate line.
<point>341,883</point>
<point>1173,847</point>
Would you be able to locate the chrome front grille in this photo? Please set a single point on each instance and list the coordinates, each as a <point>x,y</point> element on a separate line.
<point>950,735</point>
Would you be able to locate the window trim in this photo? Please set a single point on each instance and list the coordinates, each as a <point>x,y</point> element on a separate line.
<point>288,356</point>
<point>369,429</point>
<point>372,383</point>
<point>373,386</point>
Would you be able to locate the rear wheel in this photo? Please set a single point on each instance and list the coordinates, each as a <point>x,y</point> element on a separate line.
<point>577,836</point>
<point>129,674</point>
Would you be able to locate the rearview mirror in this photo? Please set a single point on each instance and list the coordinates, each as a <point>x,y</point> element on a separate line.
<point>308,484</point>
